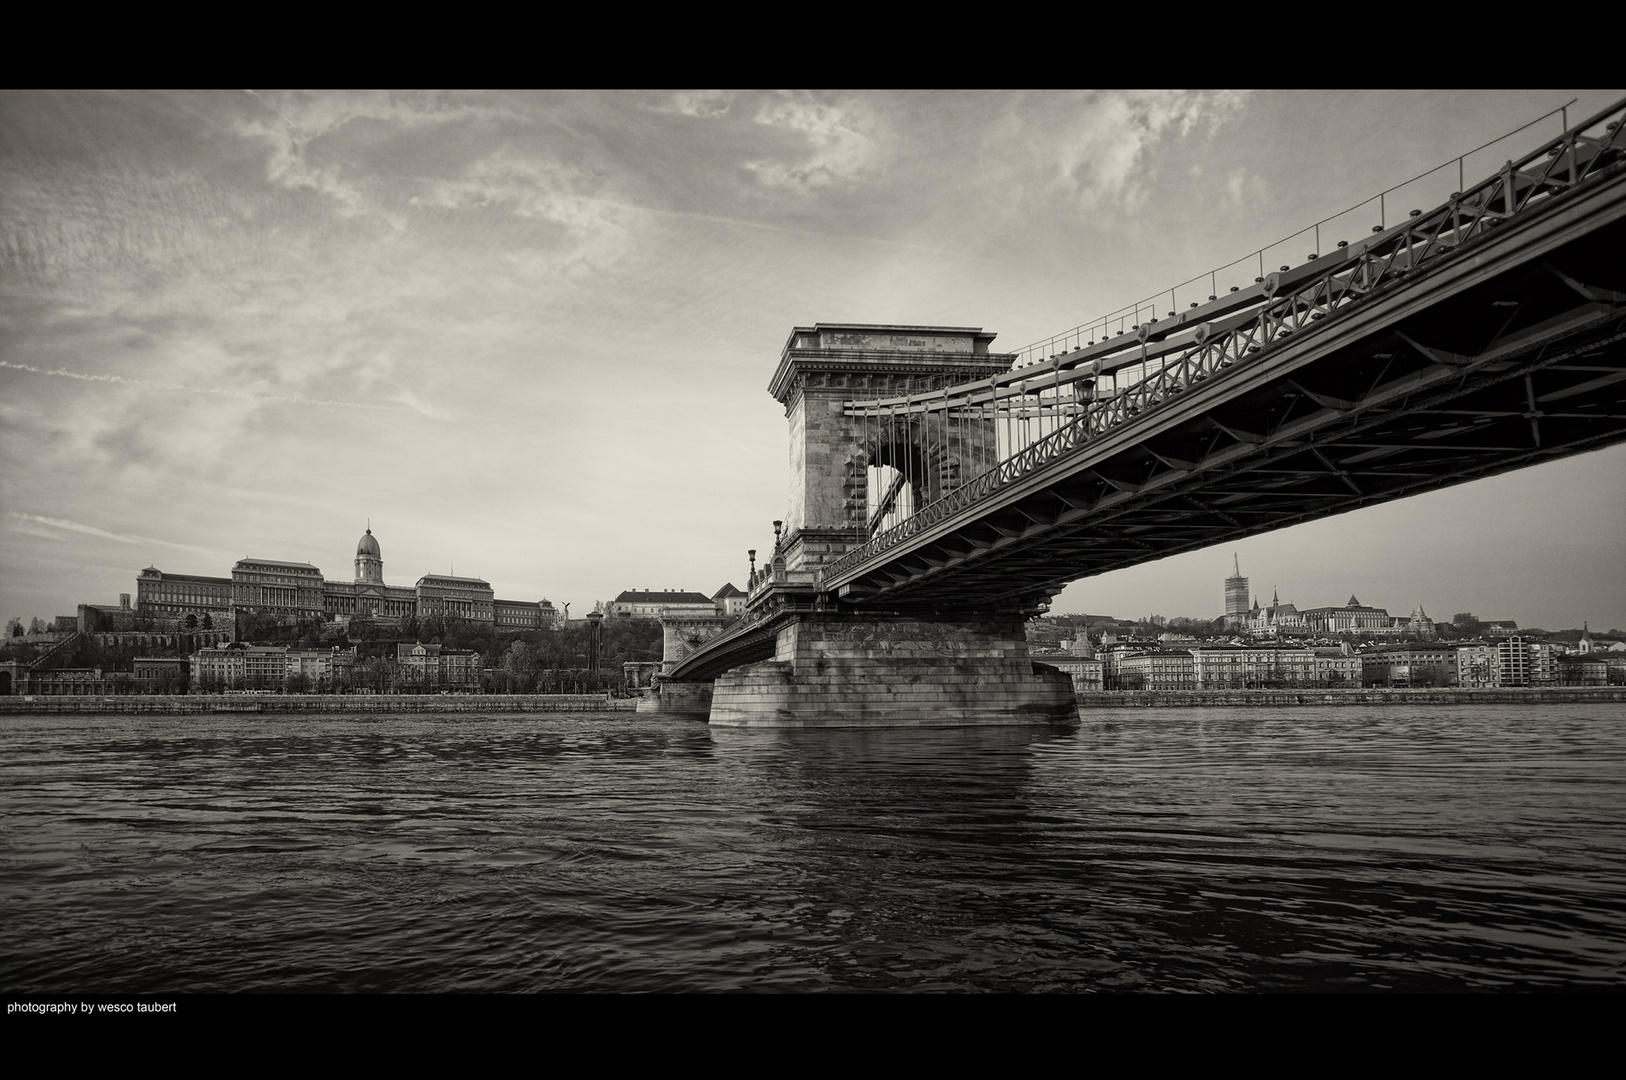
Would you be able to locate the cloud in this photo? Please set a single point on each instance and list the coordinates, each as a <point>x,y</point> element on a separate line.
<point>1107,155</point>
<point>529,186</point>
<point>1233,184</point>
<point>412,401</point>
<point>705,104</point>
<point>306,140</point>
<point>246,395</point>
<point>108,229</point>
<point>834,143</point>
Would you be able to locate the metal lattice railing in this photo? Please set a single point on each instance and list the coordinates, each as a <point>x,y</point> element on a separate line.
<point>1031,416</point>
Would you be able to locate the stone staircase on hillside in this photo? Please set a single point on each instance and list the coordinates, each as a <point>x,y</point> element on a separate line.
<point>42,662</point>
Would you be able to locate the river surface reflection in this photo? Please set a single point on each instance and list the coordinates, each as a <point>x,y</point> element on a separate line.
<point>1360,848</point>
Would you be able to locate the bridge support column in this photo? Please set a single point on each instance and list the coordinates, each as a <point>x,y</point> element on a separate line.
<point>842,669</point>
<point>670,698</point>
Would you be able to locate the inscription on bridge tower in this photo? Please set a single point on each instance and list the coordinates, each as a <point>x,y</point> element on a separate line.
<point>826,364</point>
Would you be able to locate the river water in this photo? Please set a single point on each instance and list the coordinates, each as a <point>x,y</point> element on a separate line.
<point>1284,849</point>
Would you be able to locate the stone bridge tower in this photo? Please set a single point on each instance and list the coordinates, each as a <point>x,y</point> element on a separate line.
<point>831,453</point>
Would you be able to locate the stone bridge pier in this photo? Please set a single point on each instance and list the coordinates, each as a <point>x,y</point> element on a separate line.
<point>861,669</point>
<point>681,636</point>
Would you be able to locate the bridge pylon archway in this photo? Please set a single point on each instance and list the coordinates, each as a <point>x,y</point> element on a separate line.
<point>834,456</point>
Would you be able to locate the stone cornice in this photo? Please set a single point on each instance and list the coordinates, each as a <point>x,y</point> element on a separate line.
<point>850,369</point>
<point>891,352</point>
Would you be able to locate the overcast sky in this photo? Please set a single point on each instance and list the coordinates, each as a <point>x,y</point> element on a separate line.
<point>528,336</point>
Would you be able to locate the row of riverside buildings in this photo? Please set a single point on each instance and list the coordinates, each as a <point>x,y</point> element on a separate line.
<point>237,666</point>
<point>1508,662</point>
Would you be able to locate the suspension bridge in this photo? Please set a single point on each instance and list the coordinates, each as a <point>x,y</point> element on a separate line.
<point>943,492</point>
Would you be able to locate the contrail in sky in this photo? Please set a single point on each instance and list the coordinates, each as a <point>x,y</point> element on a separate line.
<point>246,395</point>
<point>91,530</point>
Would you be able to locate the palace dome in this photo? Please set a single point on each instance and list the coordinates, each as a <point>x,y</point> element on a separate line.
<point>367,546</point>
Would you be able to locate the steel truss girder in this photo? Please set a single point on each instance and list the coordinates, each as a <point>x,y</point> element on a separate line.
<point>1122,507</point>
<point>1527,339</point>
<point>1360,422</point>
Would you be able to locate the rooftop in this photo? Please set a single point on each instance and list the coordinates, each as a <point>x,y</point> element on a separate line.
<point>194,578</point>
<point>646,596</point>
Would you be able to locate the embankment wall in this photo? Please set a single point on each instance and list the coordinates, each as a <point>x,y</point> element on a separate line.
<point>197,704</point>
<point>1185,699</point>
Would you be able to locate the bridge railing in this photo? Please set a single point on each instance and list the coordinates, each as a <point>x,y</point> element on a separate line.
<point>1426,188</point>
<point>1010,425</point>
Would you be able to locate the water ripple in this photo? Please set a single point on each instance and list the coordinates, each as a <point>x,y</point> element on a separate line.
<point>1192,850</point>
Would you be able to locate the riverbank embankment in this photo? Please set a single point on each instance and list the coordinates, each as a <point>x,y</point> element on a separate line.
<point>206,704</point>
<point>1185,699</point>
<point>203,704</point>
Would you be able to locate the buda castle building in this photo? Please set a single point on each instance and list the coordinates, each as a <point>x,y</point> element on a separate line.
<point>299,591</point>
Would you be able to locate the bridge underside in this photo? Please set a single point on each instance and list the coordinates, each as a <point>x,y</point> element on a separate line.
<point>1467,371</point>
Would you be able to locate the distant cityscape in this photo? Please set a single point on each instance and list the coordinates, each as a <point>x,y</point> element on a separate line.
<point>276,625</point>
<point>1279,646</point>
<point>282,625</point>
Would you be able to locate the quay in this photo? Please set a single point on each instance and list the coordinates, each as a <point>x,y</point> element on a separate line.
<point>290,704</point>
<point>1185,699</point>
<point>208,704</point>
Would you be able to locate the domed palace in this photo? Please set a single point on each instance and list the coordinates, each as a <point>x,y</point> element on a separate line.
<point>298,590</point>
<point>369,560</point>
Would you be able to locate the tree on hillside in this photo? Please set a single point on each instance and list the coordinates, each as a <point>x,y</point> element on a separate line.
<point>632,640</point>
<point>1465,625</point>
<point>520,664</point>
